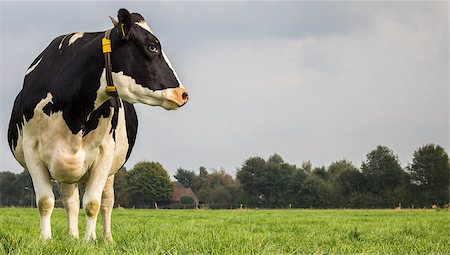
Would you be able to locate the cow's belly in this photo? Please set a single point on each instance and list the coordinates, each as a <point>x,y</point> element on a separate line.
<point>70,157</point>
<point>67,156</point>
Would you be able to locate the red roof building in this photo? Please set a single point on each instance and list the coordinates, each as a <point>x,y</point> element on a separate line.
<point>178,193</point>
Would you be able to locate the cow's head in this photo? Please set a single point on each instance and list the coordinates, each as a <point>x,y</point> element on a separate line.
<point>141,71</point>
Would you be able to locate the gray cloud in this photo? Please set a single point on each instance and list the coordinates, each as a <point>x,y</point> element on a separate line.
<point>311,81</point>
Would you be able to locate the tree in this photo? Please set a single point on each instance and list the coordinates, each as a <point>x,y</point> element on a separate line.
<point>295,188</point>
<point>307,166</point>
<point>279,174</point>
<point>346,181</point>
<point>8,192</point>
<point>382,170</point>
<point>203,194</point>
<point>275,159</point>
<point>321,172</point>
<point>266,183</point>
<point>340,166</point>
<point>186,178</point>
<point>219,179</point>
<point>202,179</point>
<point>25,189</point>
<point>315,192</point>
<point>430,172</point>
<point>251,177</point>
<point>349,181</point>
<point>120,193</point>
<point>215,187</point>
<point>219,195</point>
<point>383,175</point>
<point>238,196</point>
<point>148,182</point>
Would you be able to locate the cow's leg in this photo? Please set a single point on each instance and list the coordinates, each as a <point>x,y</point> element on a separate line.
<point>107,206</point>
<point>45,199</point>
<point>91,204</point>
<point>71,201</point>
<point>94,187</point>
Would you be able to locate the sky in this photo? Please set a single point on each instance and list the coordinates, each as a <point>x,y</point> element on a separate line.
<point>317,81</point>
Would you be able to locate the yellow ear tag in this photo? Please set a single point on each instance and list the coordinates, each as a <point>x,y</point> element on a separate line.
<point>123,30</point>
<point>106,45</point>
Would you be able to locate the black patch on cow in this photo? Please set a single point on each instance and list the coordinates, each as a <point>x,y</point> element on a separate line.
<point>104,111</point>
<point>131,121</point>
<point>62,45</point>
<point>15,122</point>
<point>35,61</point>
<point>48,108</point>
<point>117,103</point>
<point>71,77</point>
<point>136,17</point>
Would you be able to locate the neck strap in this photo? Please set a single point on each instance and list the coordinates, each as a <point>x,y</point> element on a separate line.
<point>111,90</point>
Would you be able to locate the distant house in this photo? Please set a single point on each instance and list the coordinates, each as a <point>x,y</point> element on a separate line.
<point>180,192</point>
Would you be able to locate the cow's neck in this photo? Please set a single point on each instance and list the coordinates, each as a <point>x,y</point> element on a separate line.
<point>101,95</point>
<point>90,101</point>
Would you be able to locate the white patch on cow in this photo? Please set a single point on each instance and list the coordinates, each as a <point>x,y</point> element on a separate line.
<point>133,92</point>
<point>128,90</point>
<point>121,141</point>
<point>144,25</point>
<point>61,43</point>
<point>101,92</point>
<point>70,197</point>
<point>29,70</point>
<point>97,179</point>
<point>75,37</point>
<point>40,106</point>
<point>31,142</point>
<point>171,67</point>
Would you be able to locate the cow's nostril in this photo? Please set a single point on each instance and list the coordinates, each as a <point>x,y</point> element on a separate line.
<point>185,96</point>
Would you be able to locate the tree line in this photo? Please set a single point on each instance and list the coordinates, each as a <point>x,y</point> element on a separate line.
<point>380,182</point>
<point>142,186</point>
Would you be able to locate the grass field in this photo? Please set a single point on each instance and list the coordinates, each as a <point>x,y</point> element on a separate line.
<point>237,232</point>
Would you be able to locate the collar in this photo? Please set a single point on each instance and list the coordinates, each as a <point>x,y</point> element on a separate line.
<point>111,90</point>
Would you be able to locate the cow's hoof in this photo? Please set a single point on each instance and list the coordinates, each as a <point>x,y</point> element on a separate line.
<point>90,238</point>
<point>74,236</point>
<point>46,238</point>
<point>108,237</point>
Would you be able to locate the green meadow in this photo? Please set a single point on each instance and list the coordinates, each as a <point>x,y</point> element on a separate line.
<point>237,232</point>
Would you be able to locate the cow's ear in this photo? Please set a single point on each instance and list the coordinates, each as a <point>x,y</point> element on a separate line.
<point>124,23</point>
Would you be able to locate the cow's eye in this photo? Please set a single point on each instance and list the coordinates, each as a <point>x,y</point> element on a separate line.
<point>153,48</point>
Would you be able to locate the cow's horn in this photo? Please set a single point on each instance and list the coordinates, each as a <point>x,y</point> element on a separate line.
<point>114,21</point>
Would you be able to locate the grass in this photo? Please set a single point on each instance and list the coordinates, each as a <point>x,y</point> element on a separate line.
<point>237,232</point>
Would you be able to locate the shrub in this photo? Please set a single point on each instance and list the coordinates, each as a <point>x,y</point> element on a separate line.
<point>186,200</point>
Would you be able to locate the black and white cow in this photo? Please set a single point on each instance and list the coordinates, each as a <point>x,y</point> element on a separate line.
<point>64,125</point>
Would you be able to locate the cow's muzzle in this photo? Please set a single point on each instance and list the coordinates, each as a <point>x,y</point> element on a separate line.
<point>178,96</point>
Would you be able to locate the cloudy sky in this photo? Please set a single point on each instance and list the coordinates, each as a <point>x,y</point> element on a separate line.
<point>314,81</point>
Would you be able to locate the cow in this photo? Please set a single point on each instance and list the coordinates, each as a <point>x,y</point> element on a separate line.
<point>74,120</point>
